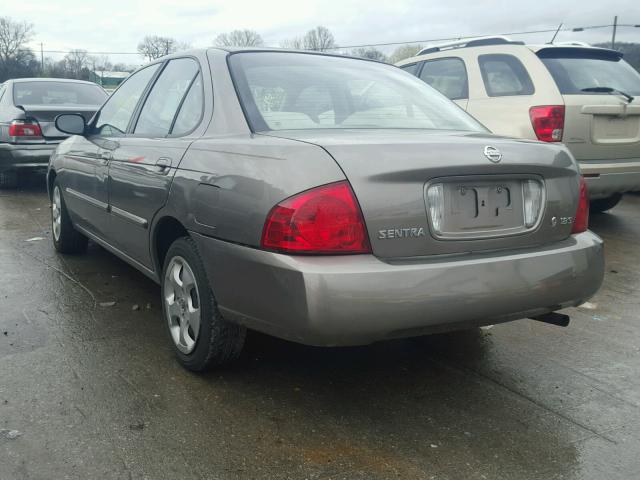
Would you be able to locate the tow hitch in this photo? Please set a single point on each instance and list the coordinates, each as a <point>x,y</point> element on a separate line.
<point>554,318</point>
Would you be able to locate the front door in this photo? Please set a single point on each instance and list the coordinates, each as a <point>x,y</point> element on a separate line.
<point>144,162</point>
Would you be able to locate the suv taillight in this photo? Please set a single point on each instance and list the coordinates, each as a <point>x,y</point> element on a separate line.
<point>24,128</point>
<point>548,122</point>
<point>581,219</point>
<point>323,220</point>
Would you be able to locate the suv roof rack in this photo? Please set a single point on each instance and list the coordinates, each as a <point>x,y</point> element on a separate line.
<point>470,42</point>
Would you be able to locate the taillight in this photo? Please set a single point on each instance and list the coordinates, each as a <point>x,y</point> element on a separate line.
<point>581,219</point>
<point>548,122</point>
<point>323,220</point>
<point>21,128</point>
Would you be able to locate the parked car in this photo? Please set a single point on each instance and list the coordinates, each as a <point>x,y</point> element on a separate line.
<point>28,107</point>
<point>582,96</point>
<point>322,199</point>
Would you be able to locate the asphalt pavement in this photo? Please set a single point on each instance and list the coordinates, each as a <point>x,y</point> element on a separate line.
<point>89,388</point>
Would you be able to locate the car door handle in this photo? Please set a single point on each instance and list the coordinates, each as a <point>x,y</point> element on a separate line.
<point>164,165</point>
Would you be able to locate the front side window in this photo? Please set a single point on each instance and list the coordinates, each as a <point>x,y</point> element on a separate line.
<point>576,70</point>
<point>448,76</point>
<point>161,105</point>
<point>115,115</point>
<point>504,75</point>
<point>283,90</point>
<point>57,93</point>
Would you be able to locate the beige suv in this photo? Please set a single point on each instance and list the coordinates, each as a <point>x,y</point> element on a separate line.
<point>571,93</point>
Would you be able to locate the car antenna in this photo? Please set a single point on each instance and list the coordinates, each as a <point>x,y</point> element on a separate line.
<point>556,34</point>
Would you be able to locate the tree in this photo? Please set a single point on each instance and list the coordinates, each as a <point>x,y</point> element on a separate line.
<point>370,53</point>
<point>319,39</point>
<point>239,38</point>
<point>15,58</point>
<point>404,51</point>
<point>296,43</point>
<point>630,52</point>
<point>154,46</point>
<point>77,61</point>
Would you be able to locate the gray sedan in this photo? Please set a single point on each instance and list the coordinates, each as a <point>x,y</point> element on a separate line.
<point>318,198</point>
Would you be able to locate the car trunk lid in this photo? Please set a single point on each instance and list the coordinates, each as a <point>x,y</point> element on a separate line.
<point>391,172</point>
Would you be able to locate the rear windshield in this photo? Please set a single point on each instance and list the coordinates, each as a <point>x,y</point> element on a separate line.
<point>295,91</point>
<point>577,69</point>
<point>57,93</point>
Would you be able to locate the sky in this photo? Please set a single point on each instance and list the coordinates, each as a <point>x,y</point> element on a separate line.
<point>119,25</point>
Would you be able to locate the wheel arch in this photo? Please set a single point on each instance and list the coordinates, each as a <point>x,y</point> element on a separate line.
<point>166,231</point>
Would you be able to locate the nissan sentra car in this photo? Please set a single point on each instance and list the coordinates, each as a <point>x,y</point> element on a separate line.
<point>318,198</point>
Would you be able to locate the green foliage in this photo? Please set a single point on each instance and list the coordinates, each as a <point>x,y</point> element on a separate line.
<point>404,51</point>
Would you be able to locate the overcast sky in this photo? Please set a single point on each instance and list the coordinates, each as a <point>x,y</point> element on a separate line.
<point>118,25</point>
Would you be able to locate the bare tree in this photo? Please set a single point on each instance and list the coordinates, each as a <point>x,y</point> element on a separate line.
<point>76,61</point>
<point>320,39</point>
<point>296,43</point>
<point>239,38</point>
<point>370,53</point>
<point>404,51</point>
<point>154,46</point>
<point>13,39</point>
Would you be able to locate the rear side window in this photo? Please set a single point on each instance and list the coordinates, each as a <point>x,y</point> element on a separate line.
<point>57,93</point>
<point>161,106</point>
<point>504,75</point>
<point>577,69</point>
<point>191,110</point>
<point>448,76</point>
<point>412,68</point>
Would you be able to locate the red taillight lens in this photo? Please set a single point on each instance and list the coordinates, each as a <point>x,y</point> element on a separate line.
<point>323,220</point>
<point>581,220</point>
<point>19,128</point>
<point>548,122</point>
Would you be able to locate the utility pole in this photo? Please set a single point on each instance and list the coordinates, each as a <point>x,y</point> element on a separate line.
<point>41,59</point>
<point>613,37</point>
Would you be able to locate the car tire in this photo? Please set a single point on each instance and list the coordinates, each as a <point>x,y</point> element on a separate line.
<point>8,179</point>
<point>603,204</point>
<point>200,337</point>
<point>66,239</point>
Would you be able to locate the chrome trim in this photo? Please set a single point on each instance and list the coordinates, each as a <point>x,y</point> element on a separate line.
<point>87,198</point>
<point>141,222</point>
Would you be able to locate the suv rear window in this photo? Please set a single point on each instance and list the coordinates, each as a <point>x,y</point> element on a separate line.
<point>575,69</point>
<point>57,93</point>
<point>448,76</point>
<point>504,75</point>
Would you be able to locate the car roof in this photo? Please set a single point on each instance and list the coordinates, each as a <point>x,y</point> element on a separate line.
<point>503,42</point>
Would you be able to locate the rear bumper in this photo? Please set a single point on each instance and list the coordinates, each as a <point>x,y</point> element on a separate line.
<point>608,177</point>
<point>360,299</point>
<point>34,156</point>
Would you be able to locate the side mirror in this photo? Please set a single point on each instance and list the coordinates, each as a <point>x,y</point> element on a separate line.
<point>71,123</point>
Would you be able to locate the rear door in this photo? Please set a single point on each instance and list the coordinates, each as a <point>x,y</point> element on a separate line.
<point>144,162</point>
<point>598,126</point>
<point>506,81</point>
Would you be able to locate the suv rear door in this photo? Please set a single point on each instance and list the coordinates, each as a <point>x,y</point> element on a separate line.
<point>506,81</point>
<point>598,126</point>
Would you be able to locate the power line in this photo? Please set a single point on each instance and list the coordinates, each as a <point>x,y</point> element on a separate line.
<point>408,42</point>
